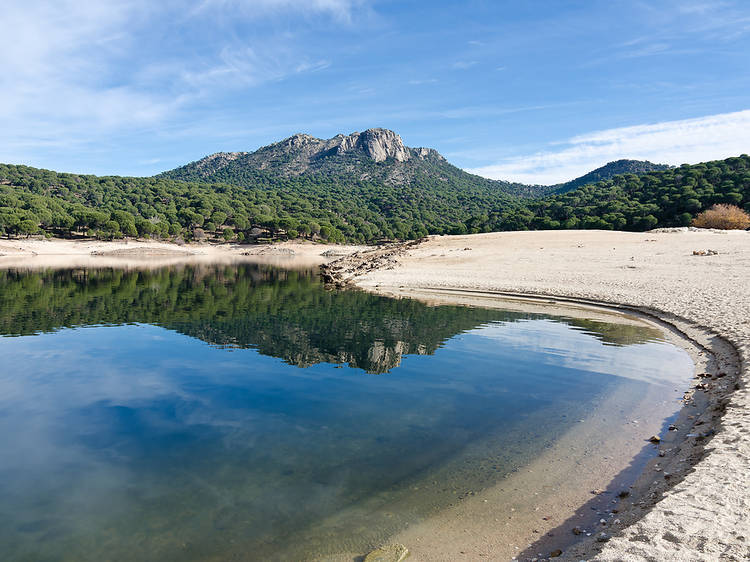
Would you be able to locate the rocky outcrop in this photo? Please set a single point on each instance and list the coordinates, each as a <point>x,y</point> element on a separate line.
<point>301,153</point>
<point>378,144</point>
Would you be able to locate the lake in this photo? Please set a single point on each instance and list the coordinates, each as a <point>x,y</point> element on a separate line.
<point>247,412</point>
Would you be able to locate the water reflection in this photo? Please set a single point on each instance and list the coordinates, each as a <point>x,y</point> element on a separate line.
<point>129,438</point>
<point>286,314</point>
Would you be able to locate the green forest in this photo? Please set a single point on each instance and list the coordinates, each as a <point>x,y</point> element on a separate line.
<point>337,208</point>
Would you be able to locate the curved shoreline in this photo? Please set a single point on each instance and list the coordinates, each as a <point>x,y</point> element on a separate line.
<point>705,516</point>
<point>697,414</point>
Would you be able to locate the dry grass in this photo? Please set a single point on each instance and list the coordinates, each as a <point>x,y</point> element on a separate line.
<point>725,217</point>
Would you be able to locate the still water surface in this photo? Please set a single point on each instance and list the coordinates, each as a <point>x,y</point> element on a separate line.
<point>246,412</point>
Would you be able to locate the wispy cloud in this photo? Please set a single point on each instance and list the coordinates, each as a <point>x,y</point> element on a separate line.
<point>671,142</point>
<point>74,71</point>
<point>418,82</point>
<point>342,10</point>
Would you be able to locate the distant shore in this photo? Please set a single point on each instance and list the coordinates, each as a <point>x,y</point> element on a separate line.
<point>55,252</point>
<point>697,282</point>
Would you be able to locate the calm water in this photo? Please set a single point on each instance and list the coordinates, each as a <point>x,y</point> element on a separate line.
<point>246,412</point>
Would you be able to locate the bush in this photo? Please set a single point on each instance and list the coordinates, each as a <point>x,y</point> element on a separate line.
<point>725,217</point>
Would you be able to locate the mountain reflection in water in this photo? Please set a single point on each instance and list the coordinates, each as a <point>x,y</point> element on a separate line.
<point>281,313</point>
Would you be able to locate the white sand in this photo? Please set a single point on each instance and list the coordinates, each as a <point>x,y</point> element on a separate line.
<point>706,516</point>
<point>41,253</point>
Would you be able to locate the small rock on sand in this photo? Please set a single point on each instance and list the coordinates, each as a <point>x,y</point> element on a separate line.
<point>388,553</point>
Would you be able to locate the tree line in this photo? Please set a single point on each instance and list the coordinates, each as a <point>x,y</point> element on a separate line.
<point>336,208</point>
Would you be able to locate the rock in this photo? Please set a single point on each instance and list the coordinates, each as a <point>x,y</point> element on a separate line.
<point>602,537</point>
<point>576,530</point>
<point>654,439</point>
<point>378,144</point>
<point>623,494</point>
<point>388,553</point>
<point>672,427</point>
<point>555,553</point>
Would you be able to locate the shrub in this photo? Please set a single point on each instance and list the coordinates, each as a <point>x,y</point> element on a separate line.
<point>725,217</point>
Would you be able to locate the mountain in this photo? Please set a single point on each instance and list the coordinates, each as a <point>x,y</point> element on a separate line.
<point>608,171</point>
<point>374,155</point>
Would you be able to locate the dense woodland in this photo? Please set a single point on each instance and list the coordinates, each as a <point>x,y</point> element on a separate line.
<point>337,208</point>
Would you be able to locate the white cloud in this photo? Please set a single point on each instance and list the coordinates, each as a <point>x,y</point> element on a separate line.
<point>57,77</point>
<point>74,72</point>
<point>341,10</point>
<point>672,142</point>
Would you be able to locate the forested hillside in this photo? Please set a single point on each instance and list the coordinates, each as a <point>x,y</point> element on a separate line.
<point>610,170</point>
<point>337,208</point>
<point>312,206</point>
<point>669,197</point>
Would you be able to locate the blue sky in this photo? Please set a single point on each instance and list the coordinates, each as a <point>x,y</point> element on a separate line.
<point>537,91</point>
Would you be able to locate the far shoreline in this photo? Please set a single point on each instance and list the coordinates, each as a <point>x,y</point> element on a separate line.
<point>38,252</point>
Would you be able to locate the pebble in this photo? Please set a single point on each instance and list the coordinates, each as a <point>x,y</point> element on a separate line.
<point>603,537</point>
<point>388,553</point>
<point>654,439</point>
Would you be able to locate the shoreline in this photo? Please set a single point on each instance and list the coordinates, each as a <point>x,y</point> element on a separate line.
<point>703,515</point>
<point>707,513</point>
<point>36,253</point>
<point>642,473</point>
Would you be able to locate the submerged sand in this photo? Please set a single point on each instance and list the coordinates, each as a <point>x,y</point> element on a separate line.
<point>705,514</point>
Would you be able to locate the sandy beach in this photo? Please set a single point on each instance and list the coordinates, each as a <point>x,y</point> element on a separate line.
<point>701,511</point>
<point>37,253</point>
<point>704,295</point>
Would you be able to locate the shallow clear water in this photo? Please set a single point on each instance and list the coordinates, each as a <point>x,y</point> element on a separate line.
<point>245,412</point>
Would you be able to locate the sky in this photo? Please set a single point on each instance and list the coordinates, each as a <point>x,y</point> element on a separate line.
<point>534,91</point>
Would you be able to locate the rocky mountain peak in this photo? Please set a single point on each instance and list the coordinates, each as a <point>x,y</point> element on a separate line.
<point>377,144</point>
<point>343,154</point>
<point>299,140</point>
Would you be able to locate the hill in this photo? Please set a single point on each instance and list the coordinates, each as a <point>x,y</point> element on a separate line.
<point>608,171</point>
<point>328,207</point>
<point>670,197</point>
<point>363,187</point>
<point>374,155</point>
